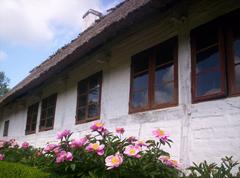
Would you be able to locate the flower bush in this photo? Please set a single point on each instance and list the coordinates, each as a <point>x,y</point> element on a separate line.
<point>102,154</point>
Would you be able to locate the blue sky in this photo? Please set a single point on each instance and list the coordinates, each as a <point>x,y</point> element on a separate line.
<point>32,30</point>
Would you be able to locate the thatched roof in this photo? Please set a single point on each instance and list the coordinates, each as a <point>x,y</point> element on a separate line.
<point>122,16</point>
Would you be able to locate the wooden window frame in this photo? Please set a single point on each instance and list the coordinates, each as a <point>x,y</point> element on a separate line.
<point>43,109</point>
<point>151,79</point>
<point>6,128</point>
<point>233,91</point>
<point>77,121</point>
<point>222,93</point>
<point>30,115</point>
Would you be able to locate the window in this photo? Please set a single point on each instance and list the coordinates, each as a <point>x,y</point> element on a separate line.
<point>154,78</point>
<point>233,36</point>
<point>48,113</point>
<point>5,129</point>
<point>89,98</point>
<point>32,118</point>
<point>215,60</point>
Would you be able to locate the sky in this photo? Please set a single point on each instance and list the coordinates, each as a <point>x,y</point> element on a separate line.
<point>32,30</point>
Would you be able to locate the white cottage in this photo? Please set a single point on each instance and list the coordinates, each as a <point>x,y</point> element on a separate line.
<point>146,64</point>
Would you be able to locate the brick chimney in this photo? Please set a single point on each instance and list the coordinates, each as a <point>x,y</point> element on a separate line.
<point>90,17</point>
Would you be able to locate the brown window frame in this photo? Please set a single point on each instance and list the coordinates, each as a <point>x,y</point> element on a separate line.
<point>6,128</point>
<point>233,90</point>
<point>224,26</point>
<point>32,115</point>
<point>152,52</point>
<point>46,101</point>
<point>87,119</point>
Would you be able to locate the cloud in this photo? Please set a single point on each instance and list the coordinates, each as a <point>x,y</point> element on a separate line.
<point>3,55</point>
<point>35,22</point>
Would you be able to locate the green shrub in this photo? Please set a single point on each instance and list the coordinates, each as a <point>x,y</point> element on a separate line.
<point>16,170</point>
<point>206,170</point>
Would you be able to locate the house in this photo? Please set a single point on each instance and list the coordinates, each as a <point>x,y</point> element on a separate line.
<point>172,64</point>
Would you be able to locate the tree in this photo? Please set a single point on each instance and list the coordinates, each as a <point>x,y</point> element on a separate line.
<point>4,82</point>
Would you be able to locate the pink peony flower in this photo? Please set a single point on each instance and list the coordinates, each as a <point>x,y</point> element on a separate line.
<point>132,151</point>
<point>113,161</point>
<point>65,133</point>
<point>64,156</point>
<point>97,126</point>
<point>78,143</point>
<point>169,162</point>
<point>49,148</point>
<point>96,147</point>
<point>25,145</point>
<point>162,135</point>
<point>120,130</point>
<point>69,156</point>
<point>1,157</point>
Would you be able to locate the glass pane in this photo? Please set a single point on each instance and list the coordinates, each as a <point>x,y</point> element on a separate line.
<point>49,122</point>
<point>206,36</point>
<point>44,114</point>
<point>140,62</point>
<point>140,82</point>
<point>27,128</point>
<point>51,100</point>
<point>139,99</point>
<point>237,76</point>
<point>93,96</point>
<point>92,110</point>
<point>208,83</point>
<point>82,87</point>
<point>50,112</point>
<point>82,100</point>
<point>208,59</point>
<point>33,127</point>
<point>42,123</point>
<point>164,93</point>
<point>81,114</point>
<point>94,82</point>
<point>237,51</point>
<point>165,52</point>
<point>164,74</point>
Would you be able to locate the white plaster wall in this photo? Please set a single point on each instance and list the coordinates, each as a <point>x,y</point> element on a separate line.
<point>207,130</point>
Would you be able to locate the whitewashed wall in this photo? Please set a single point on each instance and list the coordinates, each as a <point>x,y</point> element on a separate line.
<point>207,130</point>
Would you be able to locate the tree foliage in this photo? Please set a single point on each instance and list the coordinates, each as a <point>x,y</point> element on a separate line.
<point>4,82</point>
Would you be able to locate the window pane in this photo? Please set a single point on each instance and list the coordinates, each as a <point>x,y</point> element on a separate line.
<point>237,62</point>
<point>50,112</point>
<point>208,59</point>
<point>165,52</point>
<point>164,74</point>
<point>81,113</point>
<point>140,99</point>
<point>82,87</point>
<point>237,76</point>
<point>164,93</point>
<point>208,83</point>
<point>27,128</point>
<point>140,82</point>
<point>140,62</point>
<point>93,96</point>
<point>92,110</point>
<point>33,127</point>
<point>94,82</point>
<point>49,122</point>
<point>42,123</point>
<point>206,37</point>
<point>82,100</point>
